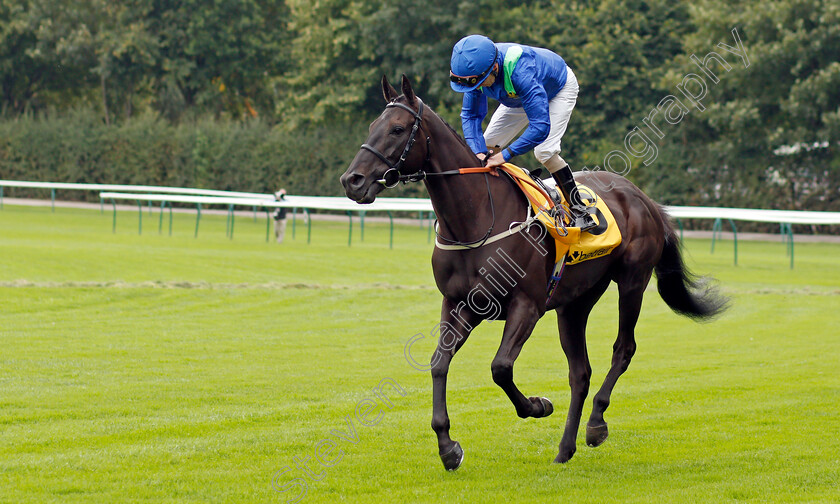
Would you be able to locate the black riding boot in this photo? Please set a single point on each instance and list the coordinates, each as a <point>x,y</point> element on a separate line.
<point>566,184</point>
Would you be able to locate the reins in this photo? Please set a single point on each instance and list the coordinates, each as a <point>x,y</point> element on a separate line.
<point>392,177</point>
<point>456,244</point>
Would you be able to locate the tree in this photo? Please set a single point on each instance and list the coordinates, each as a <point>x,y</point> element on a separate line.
<point>221,56</point>
<point>341,48</point>
<point>31,77</point>
<point>172,57</point>
<point>772,120</point>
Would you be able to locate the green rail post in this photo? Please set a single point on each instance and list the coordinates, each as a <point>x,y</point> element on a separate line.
<point>715,229</point>
<point>791,245</point>
<point>255,213</point>
<point>232,219</point>
<point>150,207</point>
<point>160,220</point>
<point>52,198</point>
<point>431,225</point>
<point>735,239</point>
<point>362,225</point>
<point>114,226</point>
<point>391,243</point>
<point>197,217</point>
<point>784,233</point>
<point>101,203</point>
<point>267,222</point>
<point>680,225</point>
<point>164,204</point>
<point>309,225</point>
<point>787,228</point>
<point>1,198</point>
<point>294,221</point>
<point>790,237</point>
<point>139,217</point>
<point>227,222</point>
<point>350,229</point>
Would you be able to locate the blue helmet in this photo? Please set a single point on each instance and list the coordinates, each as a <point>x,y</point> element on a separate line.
<point>472,60</point>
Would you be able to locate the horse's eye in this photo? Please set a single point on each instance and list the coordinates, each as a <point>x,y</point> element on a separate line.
<point>398,130</point>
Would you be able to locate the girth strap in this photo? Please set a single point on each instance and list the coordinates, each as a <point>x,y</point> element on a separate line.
<point>512,230</point>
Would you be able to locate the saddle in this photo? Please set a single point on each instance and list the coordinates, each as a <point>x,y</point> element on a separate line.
<point>552,211</point>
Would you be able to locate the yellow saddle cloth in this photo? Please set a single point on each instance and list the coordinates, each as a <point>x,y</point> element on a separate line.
<point>569,241</point>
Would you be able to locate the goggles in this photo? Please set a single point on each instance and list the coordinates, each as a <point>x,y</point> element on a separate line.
<point>472,80</point>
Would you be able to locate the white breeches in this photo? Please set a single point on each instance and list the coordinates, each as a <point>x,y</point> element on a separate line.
<point>507,123</point>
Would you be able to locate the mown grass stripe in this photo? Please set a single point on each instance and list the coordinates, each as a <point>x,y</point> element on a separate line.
<point>156,284</point>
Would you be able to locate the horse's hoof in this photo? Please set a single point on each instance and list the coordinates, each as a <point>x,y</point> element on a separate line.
<point>453,458</point>
<point>596,434</point>
<point>548,408</point>
<point>564,456</point>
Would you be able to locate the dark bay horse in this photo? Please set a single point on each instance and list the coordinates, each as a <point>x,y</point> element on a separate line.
<point>409,142</point>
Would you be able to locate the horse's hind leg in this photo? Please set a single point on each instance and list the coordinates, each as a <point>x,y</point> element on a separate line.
<point>629,305</point>
<point>571,320</point>
<point>455,327</point>
<point>522,317</point>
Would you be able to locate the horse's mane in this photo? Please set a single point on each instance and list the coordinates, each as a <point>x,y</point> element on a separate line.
<point>454,132</point>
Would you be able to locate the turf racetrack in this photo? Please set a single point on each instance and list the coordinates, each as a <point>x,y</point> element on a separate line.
<point>181,369</point>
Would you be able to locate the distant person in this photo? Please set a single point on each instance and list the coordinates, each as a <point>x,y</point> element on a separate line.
<point>280,217</point>
<point>536,90</point>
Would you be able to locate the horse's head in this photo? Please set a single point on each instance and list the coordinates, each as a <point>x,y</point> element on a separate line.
<point>387,153</point>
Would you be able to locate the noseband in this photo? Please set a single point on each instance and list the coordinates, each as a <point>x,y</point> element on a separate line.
<point>392,176</point>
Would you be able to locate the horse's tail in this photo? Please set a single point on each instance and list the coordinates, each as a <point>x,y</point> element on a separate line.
<point>684,292</point>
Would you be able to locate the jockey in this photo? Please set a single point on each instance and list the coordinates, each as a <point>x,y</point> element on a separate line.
<point>534,87</point>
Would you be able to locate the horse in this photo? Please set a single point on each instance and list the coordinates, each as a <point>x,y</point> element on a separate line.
<point>474,208</point>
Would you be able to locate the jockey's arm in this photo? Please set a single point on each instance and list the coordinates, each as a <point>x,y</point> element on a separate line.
<point>473,111</point>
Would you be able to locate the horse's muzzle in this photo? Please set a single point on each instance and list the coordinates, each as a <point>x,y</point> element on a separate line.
<point>358,188</point>
<point>352,182</point>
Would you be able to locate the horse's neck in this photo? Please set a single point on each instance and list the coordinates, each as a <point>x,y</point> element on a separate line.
<point>462,203</point>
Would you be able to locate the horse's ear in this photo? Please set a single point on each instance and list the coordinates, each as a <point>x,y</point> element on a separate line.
<point>407,91</point>
<point>388,90</point>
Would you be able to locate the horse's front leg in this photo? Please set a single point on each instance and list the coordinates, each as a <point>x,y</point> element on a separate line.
<point>521,319</point>
<point>456,324</point>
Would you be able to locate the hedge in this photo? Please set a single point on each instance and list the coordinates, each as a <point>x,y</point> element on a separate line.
<point>249,156</point>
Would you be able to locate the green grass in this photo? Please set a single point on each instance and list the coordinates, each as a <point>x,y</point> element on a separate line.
<point>181,369</point>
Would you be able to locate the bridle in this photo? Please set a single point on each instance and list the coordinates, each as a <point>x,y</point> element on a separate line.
<point>392,176</point>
